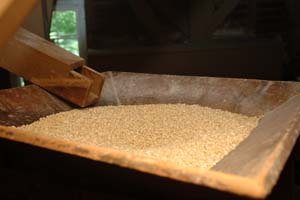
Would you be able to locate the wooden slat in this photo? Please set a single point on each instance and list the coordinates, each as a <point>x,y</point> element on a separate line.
<point>245,96</point>
<point>97,78</point>
<point>264,153</point>
<point>41,62</point>
<point>12,14</point>
<point>24,105</point>
<point>29,55</point>
<point>211,179</point>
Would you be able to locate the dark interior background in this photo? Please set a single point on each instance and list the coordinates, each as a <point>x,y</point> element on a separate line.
<point>254,39</point>
<point>243,39</point>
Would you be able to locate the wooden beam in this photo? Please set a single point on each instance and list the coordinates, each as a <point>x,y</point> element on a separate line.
<point>12,14</point>
<point>58,71</point>
<point>27,51</point>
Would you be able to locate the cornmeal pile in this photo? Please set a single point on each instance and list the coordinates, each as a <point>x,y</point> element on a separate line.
<point>187,135</point>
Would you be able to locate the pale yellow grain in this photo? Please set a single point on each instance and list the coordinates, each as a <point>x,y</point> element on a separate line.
<point>187,135</point>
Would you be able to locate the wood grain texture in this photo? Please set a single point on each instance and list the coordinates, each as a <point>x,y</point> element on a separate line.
<point>24,105</point>
<point>250,170</point>
<point>217,180</point>
<point>53,68</point>
<point>264,153</point>
<point>29,55</point>
<point>98,81</point>
<point>12,14</point>
<point>246,96</point>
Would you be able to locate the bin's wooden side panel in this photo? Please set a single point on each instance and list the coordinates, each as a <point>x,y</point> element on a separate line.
<point>213,179</point>
<point>252,169</point>
<point>24,105</point>
<point>264,153</point>
<point>250,97</point>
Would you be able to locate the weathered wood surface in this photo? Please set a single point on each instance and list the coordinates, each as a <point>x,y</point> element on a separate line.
<point>25,105</point>
<point>25,52</point>
<point>251,169</point>
<point>42,63</point>
<point>246,96</point>
<point>264,153</point>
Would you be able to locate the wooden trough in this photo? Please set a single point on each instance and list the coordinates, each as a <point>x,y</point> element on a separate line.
<point>251,170</point>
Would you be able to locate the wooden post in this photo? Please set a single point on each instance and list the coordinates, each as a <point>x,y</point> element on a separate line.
<point>12,14</point>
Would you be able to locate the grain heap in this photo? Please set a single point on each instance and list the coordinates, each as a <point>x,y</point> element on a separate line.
<point>187,135</point>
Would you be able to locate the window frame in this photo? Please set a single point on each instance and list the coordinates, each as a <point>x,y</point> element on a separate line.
<point>78,7</point>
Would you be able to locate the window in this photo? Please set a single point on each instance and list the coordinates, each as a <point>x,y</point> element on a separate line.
<point>68,26</point>
<point>63,31</point>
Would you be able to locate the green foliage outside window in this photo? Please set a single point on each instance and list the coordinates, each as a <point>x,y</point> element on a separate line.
<point>63,31</point>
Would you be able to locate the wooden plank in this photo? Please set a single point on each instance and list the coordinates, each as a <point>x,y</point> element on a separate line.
<point>264,153</point>
<point>75,88</point>
<point>97,78</point>
<point>24,105</point>
<point>29,55</point>
<point>212,179</point>
<point>41,62</point>
<point>12,14</point>
<point>246,96</point>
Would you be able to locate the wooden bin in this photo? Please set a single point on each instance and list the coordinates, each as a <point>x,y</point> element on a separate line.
<point>252,169</point>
